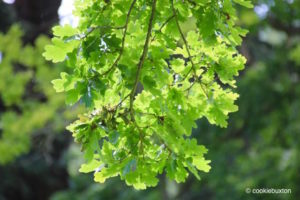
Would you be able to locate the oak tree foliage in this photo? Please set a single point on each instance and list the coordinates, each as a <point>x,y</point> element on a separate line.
<point>146,71</point>
<point>30,107</point>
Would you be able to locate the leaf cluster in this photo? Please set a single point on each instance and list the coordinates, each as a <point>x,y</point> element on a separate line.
<point>28,100</point>
<point>145,79</point>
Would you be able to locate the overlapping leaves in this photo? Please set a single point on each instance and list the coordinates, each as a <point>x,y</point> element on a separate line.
<point>28,101</point>
<point>146,80</point>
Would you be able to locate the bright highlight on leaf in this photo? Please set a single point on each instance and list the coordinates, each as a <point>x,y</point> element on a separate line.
<point>146,71</point>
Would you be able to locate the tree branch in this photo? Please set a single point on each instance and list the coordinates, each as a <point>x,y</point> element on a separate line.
<point>163,25</point>
<point>183,38</point>
<point>187,48</point>
<point>123,40</point>
<point>138,75</point>
<point>142,59</point>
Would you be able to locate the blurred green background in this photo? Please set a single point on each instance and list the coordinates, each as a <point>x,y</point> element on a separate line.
<point>259,149</point>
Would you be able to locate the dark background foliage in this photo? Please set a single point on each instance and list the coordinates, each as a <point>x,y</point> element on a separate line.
<point>259,149</point>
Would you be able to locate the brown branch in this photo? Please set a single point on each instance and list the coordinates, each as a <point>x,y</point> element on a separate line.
<point>123,40</point>
<point>183,38</point>
<point>138,75</point>
<point>142,59</point>
<point>186,47</point>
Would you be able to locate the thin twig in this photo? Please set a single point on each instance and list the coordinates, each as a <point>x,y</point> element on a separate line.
<point>123,40</point>
<point>92,29</point>
<point>142,59</point>
<point>120,103</point>
<point>183,38</point>
<point>138,74</point>
<point>186,47</point>
<point>163,25</point>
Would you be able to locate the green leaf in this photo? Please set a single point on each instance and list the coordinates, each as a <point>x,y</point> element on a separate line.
<point>59,50</point>
<point>177,65</point>
<point>72,96</point>
<point>64,31</point>
<point>65,83</point>
<point>201,164</point>
<point>244,3</point>
<point>193,170</point>
<point>106,173</point>
<point>91,166</point>
<point>130,166</point>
